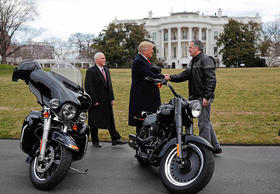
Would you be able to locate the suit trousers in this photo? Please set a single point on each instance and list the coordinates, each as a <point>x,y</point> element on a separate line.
<point>205,126</point>
<point>113,133</point>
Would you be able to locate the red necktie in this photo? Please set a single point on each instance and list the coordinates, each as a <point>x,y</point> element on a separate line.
<point>104,74</point>
<point>148,61</point>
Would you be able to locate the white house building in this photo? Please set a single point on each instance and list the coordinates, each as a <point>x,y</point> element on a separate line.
<point>172,34</point>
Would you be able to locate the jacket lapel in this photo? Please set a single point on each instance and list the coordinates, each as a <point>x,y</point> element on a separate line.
<point>145,61</point>
<point>100,75</point>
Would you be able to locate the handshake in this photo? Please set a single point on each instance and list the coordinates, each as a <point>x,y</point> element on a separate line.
<point>167,77</point>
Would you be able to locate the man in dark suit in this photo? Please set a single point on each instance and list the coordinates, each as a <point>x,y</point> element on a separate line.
<point>144,95</point>
<point>99,86</point>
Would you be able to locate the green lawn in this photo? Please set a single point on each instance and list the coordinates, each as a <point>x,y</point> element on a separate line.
<point>246,108</point>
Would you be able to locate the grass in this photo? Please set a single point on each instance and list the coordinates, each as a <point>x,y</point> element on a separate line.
<point>246,108</point>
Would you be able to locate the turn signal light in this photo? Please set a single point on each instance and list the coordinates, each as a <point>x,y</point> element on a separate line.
<point>74,147</point>
<point>46,115</point>
<point>159,85</point>
<point>178,150</point>
<point>41,144</point>
<point>75,127</point>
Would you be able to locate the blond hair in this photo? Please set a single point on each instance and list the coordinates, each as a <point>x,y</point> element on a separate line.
<point>144,45</point>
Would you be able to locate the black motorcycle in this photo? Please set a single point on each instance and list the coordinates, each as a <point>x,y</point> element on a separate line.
<point>55,136</point>
<point>185,161</point>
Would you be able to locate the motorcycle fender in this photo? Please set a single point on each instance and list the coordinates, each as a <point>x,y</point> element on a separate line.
<point>198,139</point>
<point>167,146</point>
<point>65,139</point>
<point>186,139</point>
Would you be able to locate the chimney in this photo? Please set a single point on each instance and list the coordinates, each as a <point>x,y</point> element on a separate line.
<point>150,13</point>
<point>220,13</point>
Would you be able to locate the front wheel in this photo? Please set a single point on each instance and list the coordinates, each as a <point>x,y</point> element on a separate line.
<point>194,175</point>
<point>48,173</point>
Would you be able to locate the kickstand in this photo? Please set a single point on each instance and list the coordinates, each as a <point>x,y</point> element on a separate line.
<point>76,170</point>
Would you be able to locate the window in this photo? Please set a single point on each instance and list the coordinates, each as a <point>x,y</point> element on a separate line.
<point>184,34</point>
<point>203,35</point>
<point>165,52</point>
<point>194,35</point>
<point>165,36</point>
<point>174,35</point>
<point>174,52</point>
<point>215,51</point>
<point>185,51</point>
<point>216,34</point>
<point>154,36</point>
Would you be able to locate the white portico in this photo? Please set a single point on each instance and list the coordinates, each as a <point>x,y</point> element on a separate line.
<point>173,34</point>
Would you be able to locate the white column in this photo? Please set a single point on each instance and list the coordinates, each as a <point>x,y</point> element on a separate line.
<point>200,34</point>
<point>190,34</point>
<point>190,39</point>
<point>169,43</point>
<point>162,43</point>
<point>207,43</point>
<point>179,55</point>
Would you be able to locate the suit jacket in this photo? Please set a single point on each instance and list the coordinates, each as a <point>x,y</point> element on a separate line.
<point>101,91</point>
<point>144,95</point>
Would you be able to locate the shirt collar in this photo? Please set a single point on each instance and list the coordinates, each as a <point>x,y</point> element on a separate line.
<point>144,56</point>
<point>197,56</point>
<point>100,68</point>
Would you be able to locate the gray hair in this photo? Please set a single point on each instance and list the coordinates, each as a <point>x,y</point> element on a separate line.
<point>143,46</point>
<point>97,55</point>
<point>199,44</point>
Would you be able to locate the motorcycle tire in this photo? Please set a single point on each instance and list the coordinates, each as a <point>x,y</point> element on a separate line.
<point>194,176</point>
<point>47,175</point>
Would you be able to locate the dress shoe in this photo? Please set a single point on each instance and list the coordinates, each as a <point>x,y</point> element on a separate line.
<point>118,141</point>
<point>217,151</point>
<point>96,144</point>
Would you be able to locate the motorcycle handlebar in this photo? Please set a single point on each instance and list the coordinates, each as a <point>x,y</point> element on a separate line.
<point>159,82</point>
<point>156,81</point>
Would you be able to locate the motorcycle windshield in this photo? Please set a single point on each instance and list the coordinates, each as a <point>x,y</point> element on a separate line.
<point>68,71</point>
<point>48,85</point>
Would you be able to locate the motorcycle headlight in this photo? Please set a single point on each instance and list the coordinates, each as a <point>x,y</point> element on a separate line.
<point>82,117</point>
<point>54,103</point>
<point>195,107</point>
<point>68,111</point>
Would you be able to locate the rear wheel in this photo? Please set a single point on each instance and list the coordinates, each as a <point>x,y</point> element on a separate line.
<point>48,173</point>
<point>194,175</point>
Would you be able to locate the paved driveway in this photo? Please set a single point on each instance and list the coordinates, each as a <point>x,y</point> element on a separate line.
<point>114,170</point>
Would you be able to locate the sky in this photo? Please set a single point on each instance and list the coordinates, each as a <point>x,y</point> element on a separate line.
<point>61,18</point>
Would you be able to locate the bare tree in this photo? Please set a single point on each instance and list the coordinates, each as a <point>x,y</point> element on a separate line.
<point>81,43</point>
<point>62,50</point>
<point>13,14</point>
<point>272,34</point>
